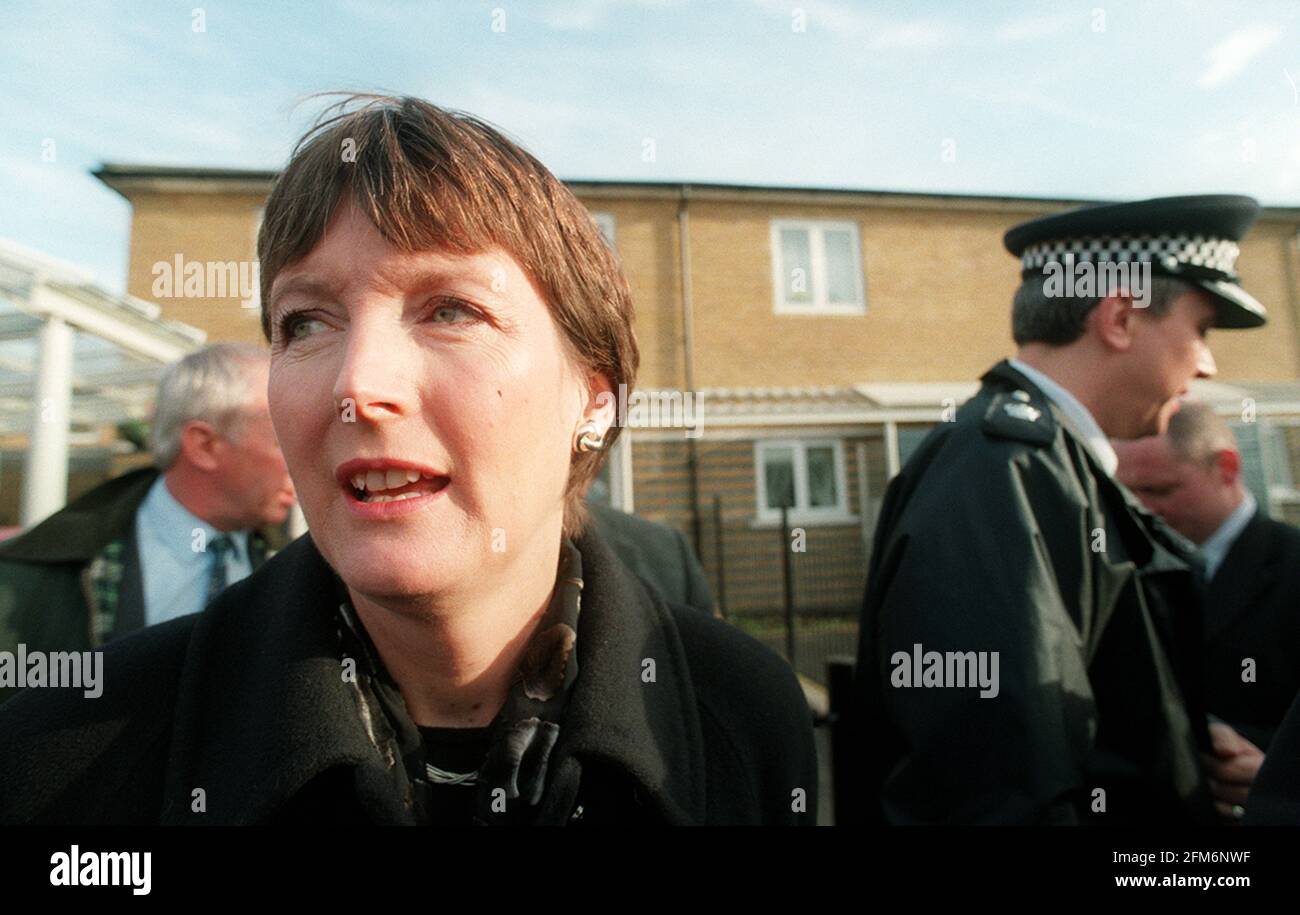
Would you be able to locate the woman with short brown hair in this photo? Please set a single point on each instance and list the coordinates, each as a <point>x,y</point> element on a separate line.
<point>449,645</point>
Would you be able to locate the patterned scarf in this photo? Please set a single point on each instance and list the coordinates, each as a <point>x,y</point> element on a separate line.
<point>513,776</point>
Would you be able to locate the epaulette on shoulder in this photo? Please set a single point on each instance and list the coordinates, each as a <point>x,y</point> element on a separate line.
<point>1016,415</point>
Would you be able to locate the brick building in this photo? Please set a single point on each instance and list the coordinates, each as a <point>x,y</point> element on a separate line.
<point>825,331</point>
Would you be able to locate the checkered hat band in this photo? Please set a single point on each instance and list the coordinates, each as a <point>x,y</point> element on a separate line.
<point>1170,250</point>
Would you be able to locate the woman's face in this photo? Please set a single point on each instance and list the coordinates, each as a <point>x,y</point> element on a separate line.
<point>439,383</point>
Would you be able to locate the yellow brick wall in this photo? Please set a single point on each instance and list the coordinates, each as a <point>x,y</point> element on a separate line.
<point>199,227</point>
<point>938,292</point>
<point>1268,271</point>
<point>938,289</point>
<point>645,234</point>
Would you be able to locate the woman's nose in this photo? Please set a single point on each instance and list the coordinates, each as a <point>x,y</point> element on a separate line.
<point>373,381</point>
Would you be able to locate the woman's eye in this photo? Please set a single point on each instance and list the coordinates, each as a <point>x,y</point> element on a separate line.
<point>295,327</point>
<point>453,312</point>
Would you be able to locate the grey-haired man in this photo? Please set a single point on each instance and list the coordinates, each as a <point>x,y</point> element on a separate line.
<point>158,542</point>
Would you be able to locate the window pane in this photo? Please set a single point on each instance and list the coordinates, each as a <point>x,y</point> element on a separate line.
<point>1253,471</point>
<point>1277,456</point>
<point>841,266</point>
<point>605,223</point>
<point>796,263</point>
<point>778,474</point>
<point>822,492</point>
<point>909,439</point>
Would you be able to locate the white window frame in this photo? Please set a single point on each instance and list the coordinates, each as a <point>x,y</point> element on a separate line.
<point>619,462</point>
<point>802,512</point>
<point>1274,460</point>
<point>607,225</point>
<point>620,472</point>
<point>817,254</point>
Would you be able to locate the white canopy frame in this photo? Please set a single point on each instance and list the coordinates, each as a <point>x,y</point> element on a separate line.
<point>73,354</point>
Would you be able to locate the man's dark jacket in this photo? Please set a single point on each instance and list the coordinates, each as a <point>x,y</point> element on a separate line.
<point>1253,612</point>
<point>73,581</point>
<point>657,553</point>
<point>1003,534</point>
<point>1274,798</point>
<point>246,702</point>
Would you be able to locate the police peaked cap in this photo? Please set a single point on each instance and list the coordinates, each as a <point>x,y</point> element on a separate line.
<point>1191,238</point>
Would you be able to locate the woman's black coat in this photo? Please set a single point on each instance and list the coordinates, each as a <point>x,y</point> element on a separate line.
<point>239,714</point>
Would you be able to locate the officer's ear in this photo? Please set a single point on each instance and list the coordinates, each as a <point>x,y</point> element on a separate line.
<point>1113,320</point>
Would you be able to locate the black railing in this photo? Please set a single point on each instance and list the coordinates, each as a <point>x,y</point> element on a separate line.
<point>796,589</point>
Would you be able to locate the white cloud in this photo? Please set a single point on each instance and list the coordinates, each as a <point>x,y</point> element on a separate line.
<point>913,35</point>
<point>517,113</point>
<point>372,11</point>
<point>587,15</point>
<point>865,29</point>
<point>576,16</point>
<point>1035,28</point>
<point>1256,153</point>
<point>1230,56</point>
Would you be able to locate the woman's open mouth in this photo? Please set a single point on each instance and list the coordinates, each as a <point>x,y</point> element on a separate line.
<point>381,482</point>
<point>394,485</point>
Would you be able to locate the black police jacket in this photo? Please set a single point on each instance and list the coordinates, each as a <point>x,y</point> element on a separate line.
<point>1004,542</point>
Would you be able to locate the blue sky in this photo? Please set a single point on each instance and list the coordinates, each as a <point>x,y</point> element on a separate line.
<point>1098,99</point>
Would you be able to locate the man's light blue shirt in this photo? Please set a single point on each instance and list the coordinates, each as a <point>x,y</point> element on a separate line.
<point>1078,415</point>
<point>175,564</point>
<point>1215,549</point>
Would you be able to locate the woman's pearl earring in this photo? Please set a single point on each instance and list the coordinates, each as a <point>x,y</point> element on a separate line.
<point>588,438</point>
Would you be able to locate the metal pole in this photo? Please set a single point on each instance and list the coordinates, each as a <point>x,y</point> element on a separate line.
<point>721,556</point>
<point>789,586</point>
<point>847,760</point>
<point>688,356</point>
<point>893,461</point>
<point>45,477</point>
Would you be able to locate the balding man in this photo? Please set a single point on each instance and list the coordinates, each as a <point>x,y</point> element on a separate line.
<point>158,542</point>
<point>1192,478</point>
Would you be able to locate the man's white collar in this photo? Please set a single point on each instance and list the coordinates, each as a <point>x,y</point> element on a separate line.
<point>1215,549</point>
<point>1077,413</point>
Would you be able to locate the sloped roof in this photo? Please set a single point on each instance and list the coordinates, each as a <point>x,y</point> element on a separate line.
<point>924,401</point>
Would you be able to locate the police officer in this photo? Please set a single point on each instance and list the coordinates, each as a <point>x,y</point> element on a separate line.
<point>1030,634</point>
